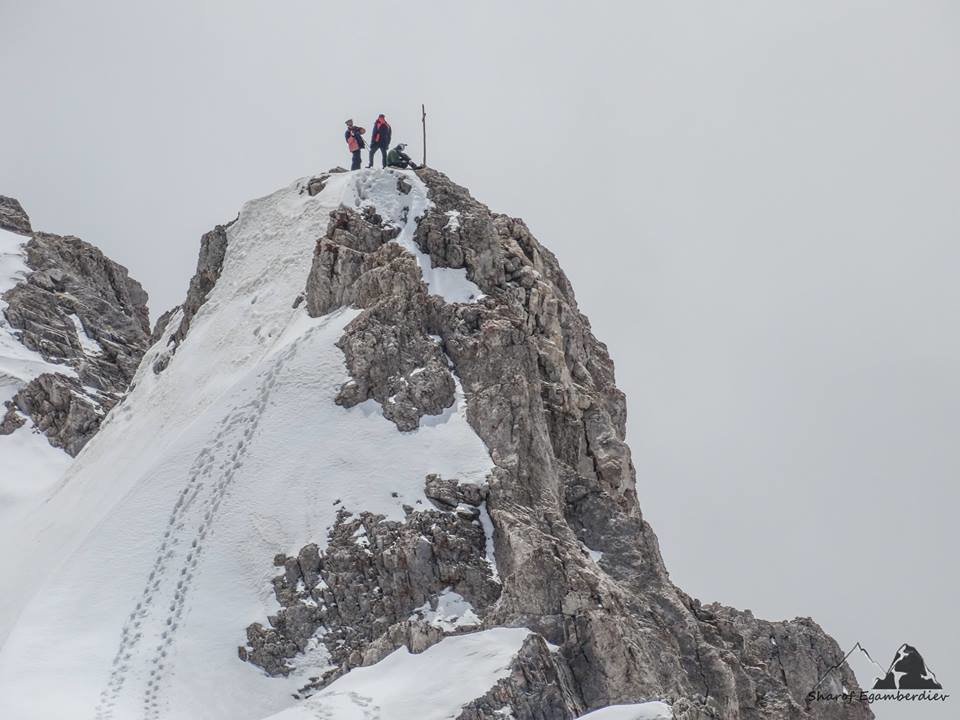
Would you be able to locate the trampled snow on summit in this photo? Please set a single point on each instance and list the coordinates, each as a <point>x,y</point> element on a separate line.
<point>373,467</point>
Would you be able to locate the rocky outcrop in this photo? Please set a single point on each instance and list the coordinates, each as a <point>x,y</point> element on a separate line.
<point>13,217</point>
<point>389,352</point>
<point>77,309</point>
<point>213,249</point>
<point>579,564</point>
<point>371,590</point>
<point>60,407</point>
<point>540,687</point>
<point>72,278</point>
<point>541,393</point>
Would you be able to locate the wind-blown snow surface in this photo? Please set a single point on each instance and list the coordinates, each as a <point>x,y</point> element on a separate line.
<point>137,576</point>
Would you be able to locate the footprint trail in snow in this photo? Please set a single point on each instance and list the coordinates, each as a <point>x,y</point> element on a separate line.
<point>157,615</point>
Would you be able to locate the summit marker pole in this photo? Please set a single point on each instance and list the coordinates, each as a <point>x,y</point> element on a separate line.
<point>423,119</point>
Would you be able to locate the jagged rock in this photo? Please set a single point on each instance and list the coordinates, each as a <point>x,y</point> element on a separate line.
<point>416,636</point>
<point>459,233</point>
<point>354,249</point>
<point>397,365</point>
<point>71,277</point>
<point>13,217</point>
<point>541,393</point>
<point>213,249</point>
<point>316,185</point>
<point>540,687</point>
<point>389,353</point>
<point>365,586</point>
<point>447,494</point>
<point>160,326</point>
<point>79,309</point>
<point>60,408</point>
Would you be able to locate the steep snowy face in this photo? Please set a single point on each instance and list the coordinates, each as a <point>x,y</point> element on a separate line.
<point>229,450</point>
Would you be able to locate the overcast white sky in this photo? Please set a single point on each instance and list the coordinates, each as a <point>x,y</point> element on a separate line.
<point>757,203</point>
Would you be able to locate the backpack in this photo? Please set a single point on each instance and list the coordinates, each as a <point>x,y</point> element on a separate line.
<point>354,139</point>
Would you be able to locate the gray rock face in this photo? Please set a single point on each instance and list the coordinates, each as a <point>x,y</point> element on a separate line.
<point>61,408</point>
<point>13,217</point>
<point>578,562</point>
<point>390,354</point>
<point>363,591</point>
<point>540,687</point>
<point>80,309</point>
<point>71,277</point>
<point>213,249</point>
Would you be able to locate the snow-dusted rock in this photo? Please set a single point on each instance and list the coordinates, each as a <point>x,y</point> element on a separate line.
<point>85,322</point>
<point>360,595</point>
<point>213,248</point>
<point>13,217</point>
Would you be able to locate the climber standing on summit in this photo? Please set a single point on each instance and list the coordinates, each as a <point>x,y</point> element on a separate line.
<point>355,143</point>
<point>381,139</point>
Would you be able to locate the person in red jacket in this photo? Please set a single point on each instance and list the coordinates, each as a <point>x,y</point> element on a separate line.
<point>355,143</point>
<point>380,140</point>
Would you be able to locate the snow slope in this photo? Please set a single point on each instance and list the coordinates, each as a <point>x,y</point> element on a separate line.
<point>29,466</point>
<point>642,711</point>
<point>151,556</point>
<point>433,685</point>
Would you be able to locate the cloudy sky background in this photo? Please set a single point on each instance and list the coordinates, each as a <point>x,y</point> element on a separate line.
<point>757,203</point>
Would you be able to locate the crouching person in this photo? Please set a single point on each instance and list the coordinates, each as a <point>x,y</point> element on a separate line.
<point>399,159</point>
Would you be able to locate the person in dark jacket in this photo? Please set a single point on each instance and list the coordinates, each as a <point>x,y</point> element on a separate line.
<point>399,159</point>
<point>355,143</point>
<point>380,140</point>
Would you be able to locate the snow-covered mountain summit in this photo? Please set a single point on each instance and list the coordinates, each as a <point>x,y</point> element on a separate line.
<point>373,467</point>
